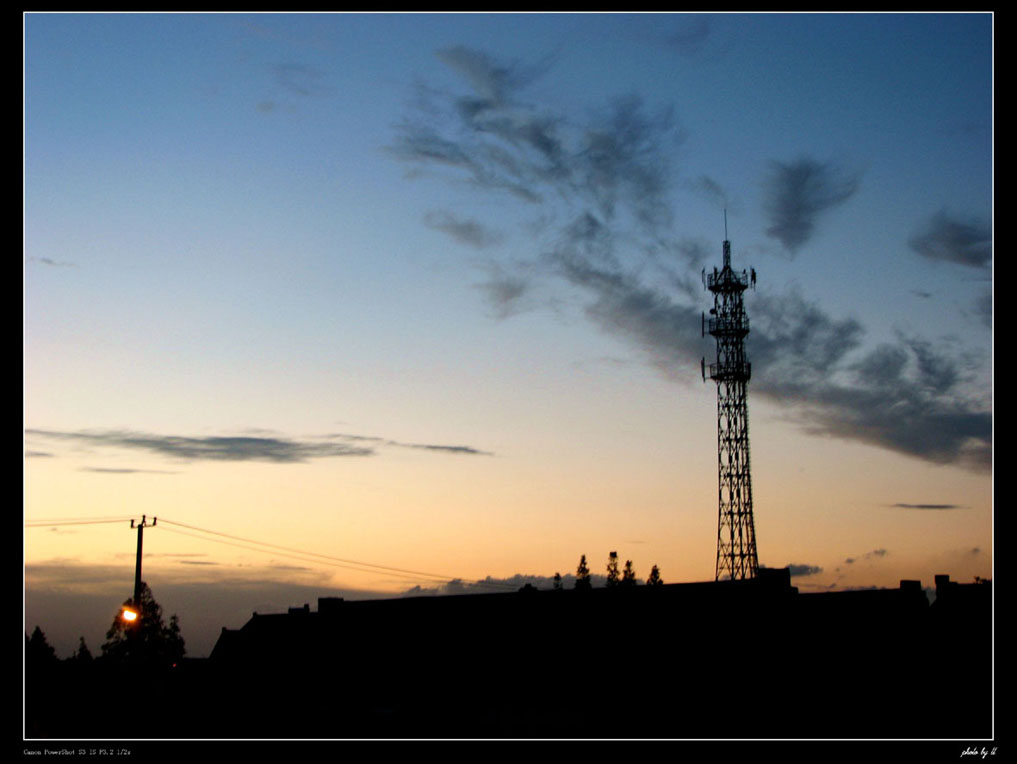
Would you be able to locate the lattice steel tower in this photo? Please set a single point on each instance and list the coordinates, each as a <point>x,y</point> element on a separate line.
<point>736,534</point>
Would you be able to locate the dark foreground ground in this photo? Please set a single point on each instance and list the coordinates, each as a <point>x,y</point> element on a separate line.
<point>675,662</point>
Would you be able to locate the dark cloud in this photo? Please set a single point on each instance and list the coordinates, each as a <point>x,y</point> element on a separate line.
<point>604,230</point>
<point>910,418</point>
<point>469,232</point>
<point>210,448</point>
<point>952,239</point>
<point>795,345</point>
<point>444,449</point>
<point>935,371</point>
<point>874,554</point>
<point>613,161</point>
<point>804,570</point>
<point>796,193</point>
<point>505,292</point>
<point>668,332</point>
<point>901,505</point>
<point>492,81</point>
<point>904,396</point>
<point>420,446</point>
<point>983,309</point>
<point>235,449</point>
<point>710,190</point>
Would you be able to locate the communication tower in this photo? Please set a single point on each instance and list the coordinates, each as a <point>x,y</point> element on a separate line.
<point>736,534</point>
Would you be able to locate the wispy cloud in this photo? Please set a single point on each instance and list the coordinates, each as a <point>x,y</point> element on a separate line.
<point>606,181</point>
<point>950,238</point>
<point>874,554</point>
<point>983,309</point>
<point>796,193</point>
<point>465,231</point>
<point>910,401</point>
<point>302,79</point>
<point>902,505</point>
<point>233,448</point>
<point>506,292</point>
<point>804,570</point>
<point>209,448</point>
<point>125,471</point>
<point>445,449</point>
<point>294,81</point>
<point>469,450</point>
<point>612,162</point>
<point>707,188</point>
<point>53,263</point>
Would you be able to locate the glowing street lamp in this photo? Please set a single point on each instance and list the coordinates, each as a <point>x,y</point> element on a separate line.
<point>129,615</point>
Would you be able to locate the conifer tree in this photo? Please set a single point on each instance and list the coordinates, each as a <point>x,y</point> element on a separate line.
<point>612,569</point>
<point>628,575</point>
<point>654,579</point>
<point>583,575</point>
<point>146,640</point>
<point>38,651</point>
<point>82,654</point>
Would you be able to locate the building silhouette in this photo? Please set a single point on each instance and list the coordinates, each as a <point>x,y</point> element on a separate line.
<point>645,662</point>
<point>870,663</point>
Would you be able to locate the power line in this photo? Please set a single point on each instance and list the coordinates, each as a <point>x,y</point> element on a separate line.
<point>290,555</point>
<point>299,554</point>
<point>332,560</point>
<point>57,523</point>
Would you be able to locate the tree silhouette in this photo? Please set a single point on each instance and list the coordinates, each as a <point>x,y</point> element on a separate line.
<point>557,581</point>
<point>583,575</point>
<point>147,639</point>
<point>38,651</point>
<point>612,569</point>
<point>655,579</point>
<point>82,654</point>
<point>628,575</point>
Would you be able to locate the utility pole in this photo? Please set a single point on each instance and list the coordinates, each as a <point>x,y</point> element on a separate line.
<point>137,563</point>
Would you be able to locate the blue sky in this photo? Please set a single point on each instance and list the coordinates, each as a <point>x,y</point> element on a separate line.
<point>468,248</point>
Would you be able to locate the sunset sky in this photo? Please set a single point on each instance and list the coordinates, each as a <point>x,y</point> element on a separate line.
<point>415,298</point>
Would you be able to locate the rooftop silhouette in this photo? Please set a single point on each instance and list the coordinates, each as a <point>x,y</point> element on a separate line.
<point>539,664</point>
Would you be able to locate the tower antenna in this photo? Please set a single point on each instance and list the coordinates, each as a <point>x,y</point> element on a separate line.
<point>736,534</point>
